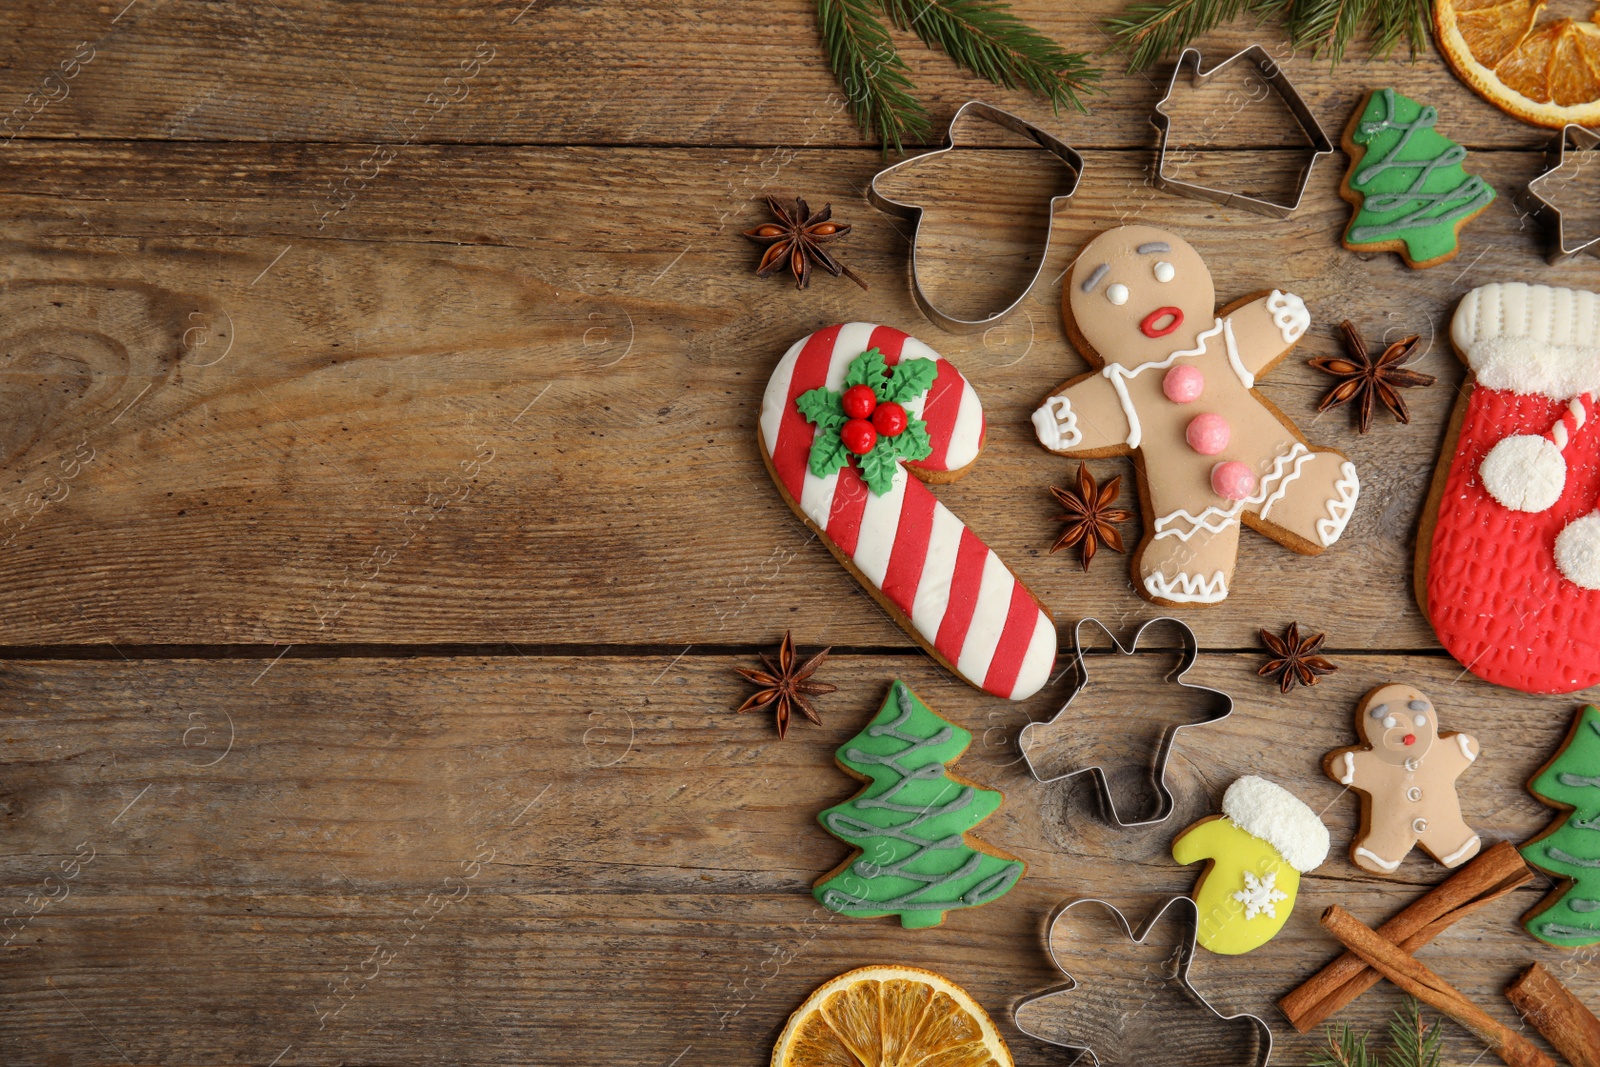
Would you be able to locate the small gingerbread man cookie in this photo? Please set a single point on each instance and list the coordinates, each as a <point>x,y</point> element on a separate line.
<point>1406,774</point>
<point>1176,389</point>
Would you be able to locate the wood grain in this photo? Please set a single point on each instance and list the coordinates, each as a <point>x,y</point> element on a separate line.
<point>258,836</point>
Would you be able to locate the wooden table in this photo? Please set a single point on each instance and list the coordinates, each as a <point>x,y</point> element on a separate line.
<point>384,521</point>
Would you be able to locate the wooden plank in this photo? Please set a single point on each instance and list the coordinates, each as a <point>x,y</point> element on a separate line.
<point>510,859</point>
<point>515,72</point>
<point>510,383</point>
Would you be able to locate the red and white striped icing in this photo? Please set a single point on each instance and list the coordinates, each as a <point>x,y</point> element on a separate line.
<point>960,598</point>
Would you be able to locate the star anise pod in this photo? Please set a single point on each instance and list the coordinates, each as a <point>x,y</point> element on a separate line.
<point>786,686</point>
<point>795,240</point>
<point>1090,515</point>
<point>1295,661</point>
<point>1366,380</point>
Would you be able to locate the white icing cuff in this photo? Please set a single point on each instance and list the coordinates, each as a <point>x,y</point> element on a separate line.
<point>1466,747</point>
<point>1289,315</point>
<point>1340,507</point>
<point>1188,588</point>
<point>1578,551</point>
<point>1057,424</point>
<point>1524,473</point>
<point>1349,769</point>
<point>1531,339</point>
<point>1379,860</point>
<point>1456,856</point>
<point>1272,813</point>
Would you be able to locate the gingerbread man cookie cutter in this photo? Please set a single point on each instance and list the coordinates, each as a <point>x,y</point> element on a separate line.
<point>1190,651</point>
<point>1257,57</point>
<point>1174,970</point>
<point>1545,189</point>
<point>913,212</point>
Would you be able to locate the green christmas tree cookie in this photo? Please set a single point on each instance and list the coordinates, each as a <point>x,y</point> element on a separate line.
<point>1569,850</point>
<point>910,822</point>
<point>1406,182</point>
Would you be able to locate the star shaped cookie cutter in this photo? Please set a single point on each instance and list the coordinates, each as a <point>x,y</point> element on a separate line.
<point>1583,142</point>
<point>1273,75</point>
<point>913,212</point>
<point>1179,975</point>
<point>1191,649</point>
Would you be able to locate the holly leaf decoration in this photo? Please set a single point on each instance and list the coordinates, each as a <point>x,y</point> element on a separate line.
<point>908,380</point>
<point>822,406</point>
<point>828,453</point>
<point>913,444</point>
<point>867,369</point>
<point>878,467</point>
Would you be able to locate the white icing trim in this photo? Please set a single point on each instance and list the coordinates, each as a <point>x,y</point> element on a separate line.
<point>1455,857</point>
<point>1289,315</point>
<point>1271,490</point>
<point>1531,339</point>
<point>1115,374</point>
<point>1266,810</point>
<point>1466,749</point>
<point>1056,424</point>
<point>1379,860</point>
<point>1349,769</point>
<point>1244,376</point>
<point>1188,588</point>
<point>1135,431</point>
<point>1341,507</point>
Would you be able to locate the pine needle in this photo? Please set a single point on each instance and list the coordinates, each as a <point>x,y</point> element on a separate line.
<point>1345,1049</point>
<point>1146,31</point>
<point>870,71</point>
<point>986,38</point>
<point>1411,1043</point>
<point>1149,31</point>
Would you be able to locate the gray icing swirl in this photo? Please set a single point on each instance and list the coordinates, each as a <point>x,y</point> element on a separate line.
<point>1094,279</point>
<point>1153,246</point>
<point>1563,856</point>
<point>844,825</point>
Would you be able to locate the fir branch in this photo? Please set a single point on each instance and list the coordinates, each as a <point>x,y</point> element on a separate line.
<point>870,71</point>
<point>1412,1044</point>
<point>1149,31</point>
<point>1327,24</point>
<point>986,38</point>
<point>1345,1049</point>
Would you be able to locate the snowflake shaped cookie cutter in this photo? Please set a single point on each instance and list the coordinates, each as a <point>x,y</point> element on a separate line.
<point>1583,145</point>
<point>1222,707</point>
<point>1273,75</point>
<point>1173,970</point>
<point>1260,895</point>
<point>913,212</point>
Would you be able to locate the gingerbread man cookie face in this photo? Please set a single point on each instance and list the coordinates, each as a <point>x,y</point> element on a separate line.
<point>1138,293</point>
<point>1406,774</point>
<point>1175,388</point>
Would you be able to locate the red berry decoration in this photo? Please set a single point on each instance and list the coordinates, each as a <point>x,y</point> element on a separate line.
<point>859,436</point>
<point>889,419</point>
<point>859,400</point>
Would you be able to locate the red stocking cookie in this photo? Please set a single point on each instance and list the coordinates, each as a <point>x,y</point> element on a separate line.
<point>1508,555</point>
<point>1176,388</point>
<point>847,413</point>
<point>1406,774</point>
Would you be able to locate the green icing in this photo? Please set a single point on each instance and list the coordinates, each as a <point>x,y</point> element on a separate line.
<point>1410,179</point>
<point>824,408</point>
<point>910,821</point>
<point>1571,852</point>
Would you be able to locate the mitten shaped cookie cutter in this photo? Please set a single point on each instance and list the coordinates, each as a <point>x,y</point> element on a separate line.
<point>1274,76</point>
<point>1582,142</point>
<point>1191,649</point>
<point>1174,970</point>
<point>913,212</point>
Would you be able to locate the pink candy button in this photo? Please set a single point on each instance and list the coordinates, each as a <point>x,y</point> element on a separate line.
<point>1183,383</point>
<point>1233,480</point>
<point>1208,434</point>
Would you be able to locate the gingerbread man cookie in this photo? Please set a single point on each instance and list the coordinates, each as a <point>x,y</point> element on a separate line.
<point>1406,774</point>
<point>1176,389</point>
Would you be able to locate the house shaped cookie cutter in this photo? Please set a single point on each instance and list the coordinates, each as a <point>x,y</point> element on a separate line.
<point>1273,75</point>
<point>1582,141</point>
<point>1191,649</point>
<point>913,212</point>
<point>1191,919</point>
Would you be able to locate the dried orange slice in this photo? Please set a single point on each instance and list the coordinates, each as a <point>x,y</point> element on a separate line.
<point>890,1017</point>
<point>1543,72</point>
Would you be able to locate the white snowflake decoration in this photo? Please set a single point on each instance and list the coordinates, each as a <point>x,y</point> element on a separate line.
<point>1260,895</point>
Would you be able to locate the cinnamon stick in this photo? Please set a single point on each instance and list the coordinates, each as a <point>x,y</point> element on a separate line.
<point>1494,873</point>
<point>1571,1028</point>
<point>1395,964</point>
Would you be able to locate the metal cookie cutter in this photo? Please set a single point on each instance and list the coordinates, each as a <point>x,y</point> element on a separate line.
<point>1191,649</point>
<point>913,212</point>
<point>1125,1040</point>
<point>1274,76</point>
<point>1547,189</point>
